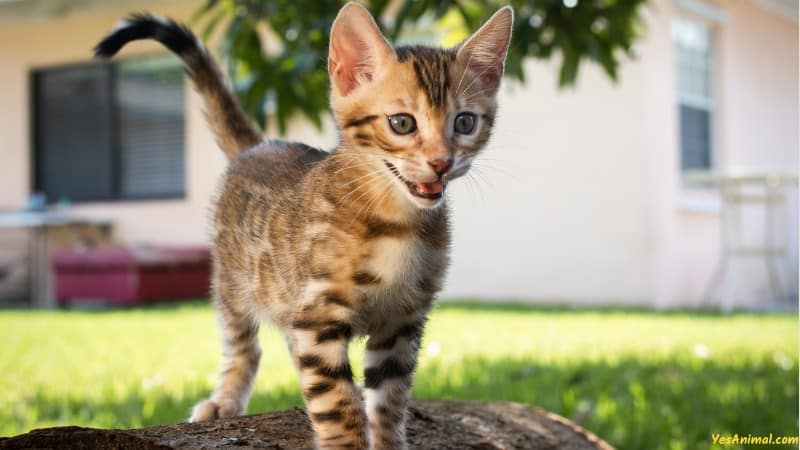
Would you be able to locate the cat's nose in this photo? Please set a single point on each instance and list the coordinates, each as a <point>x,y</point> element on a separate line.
<point>441,166</point>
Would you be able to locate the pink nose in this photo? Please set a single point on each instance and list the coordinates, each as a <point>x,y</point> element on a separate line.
<point>441,166</point>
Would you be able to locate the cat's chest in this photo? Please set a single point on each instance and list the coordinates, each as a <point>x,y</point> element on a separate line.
<point>389,263</point>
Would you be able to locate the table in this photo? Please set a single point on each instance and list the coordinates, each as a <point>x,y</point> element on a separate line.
<point>39,223</point>
<point>771,194</point>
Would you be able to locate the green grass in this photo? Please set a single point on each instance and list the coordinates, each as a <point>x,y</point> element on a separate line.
<point>641,380</point>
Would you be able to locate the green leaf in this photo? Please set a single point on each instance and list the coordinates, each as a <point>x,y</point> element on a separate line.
<point>606,58</point>
<point>569,67</point>
<point>208,6</point>
<point>211,25</point>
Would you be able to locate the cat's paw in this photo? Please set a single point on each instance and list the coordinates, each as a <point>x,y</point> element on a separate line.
<point>216,409</point>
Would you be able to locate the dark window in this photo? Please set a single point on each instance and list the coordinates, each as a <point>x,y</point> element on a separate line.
<point>109,131</point>
<point>695,138</point>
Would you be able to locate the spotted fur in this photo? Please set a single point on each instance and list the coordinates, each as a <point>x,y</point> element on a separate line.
<point>353,242</point>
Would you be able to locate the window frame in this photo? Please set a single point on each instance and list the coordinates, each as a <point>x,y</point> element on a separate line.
<point>36,151</point>
<point>708,104</point>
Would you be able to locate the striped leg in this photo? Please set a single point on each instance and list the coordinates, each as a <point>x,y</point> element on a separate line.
<point>242,354</point>
<point>389,365</point>
<point>332,400</point>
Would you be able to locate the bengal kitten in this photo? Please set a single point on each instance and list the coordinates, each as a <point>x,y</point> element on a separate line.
<point>331,245</point>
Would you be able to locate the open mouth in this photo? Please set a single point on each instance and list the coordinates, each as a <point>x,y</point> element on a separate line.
<point>432,191</point>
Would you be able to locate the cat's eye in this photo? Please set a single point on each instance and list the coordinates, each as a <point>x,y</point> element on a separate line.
<point>464,123</point>
<point>402,123</point>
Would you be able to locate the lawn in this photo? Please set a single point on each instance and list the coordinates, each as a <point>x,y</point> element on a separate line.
<point>641,380</point>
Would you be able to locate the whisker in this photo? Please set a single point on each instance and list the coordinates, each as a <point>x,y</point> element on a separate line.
<point>366,191</point>
<point>365,183</point>
<point>470,185</point>
<point>385,184</point>
<point>474,182</point>
<point>375,199</point>
<point>354,180</point>
<point>482,192</point>
<point>387,155</point>
<point>482,176</point>
<point>505,172</point>
<point>361,164</point>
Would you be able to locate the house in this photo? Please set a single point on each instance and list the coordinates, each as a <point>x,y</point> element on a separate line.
<point>581,199</point>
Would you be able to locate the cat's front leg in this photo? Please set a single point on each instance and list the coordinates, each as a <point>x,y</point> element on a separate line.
<point>390,360</point>
<point>334,406</point>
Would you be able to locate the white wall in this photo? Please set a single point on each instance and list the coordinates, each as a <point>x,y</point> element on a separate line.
<point>561,209</point>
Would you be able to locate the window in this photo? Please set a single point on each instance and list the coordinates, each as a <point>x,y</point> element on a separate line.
<point>105,132</point>
<point>693,45</point>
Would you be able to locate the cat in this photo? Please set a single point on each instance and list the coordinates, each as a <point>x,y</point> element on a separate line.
<point>353,242</point>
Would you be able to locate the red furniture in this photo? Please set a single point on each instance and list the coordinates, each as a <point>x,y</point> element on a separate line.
<point>131,276</point>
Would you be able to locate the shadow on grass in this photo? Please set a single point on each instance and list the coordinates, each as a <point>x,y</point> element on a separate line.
<point>634,404</point>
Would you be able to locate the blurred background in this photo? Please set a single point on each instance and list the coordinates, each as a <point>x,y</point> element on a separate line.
<point>625,252</point>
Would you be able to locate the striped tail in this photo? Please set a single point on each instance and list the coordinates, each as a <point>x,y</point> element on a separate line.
<point>234,131</point>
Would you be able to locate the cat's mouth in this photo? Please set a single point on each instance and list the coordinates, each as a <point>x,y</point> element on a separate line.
<point>432,191</point>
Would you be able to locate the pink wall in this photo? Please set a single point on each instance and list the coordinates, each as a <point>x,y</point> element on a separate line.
<point>758,51</point>
<point>756,130</point>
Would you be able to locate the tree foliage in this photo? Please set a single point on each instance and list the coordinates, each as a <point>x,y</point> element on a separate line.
<point>290,76</point>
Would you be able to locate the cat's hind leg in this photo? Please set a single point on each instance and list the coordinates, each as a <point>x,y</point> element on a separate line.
<point>241,357</point>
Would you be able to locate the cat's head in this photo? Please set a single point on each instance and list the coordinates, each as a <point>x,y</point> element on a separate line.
<point>417,115</point>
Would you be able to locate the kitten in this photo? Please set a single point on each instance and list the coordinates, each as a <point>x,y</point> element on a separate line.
<point>327,246</point>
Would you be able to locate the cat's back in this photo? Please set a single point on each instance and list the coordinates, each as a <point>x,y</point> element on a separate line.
<point>258,181</point>
<point>273,165</point>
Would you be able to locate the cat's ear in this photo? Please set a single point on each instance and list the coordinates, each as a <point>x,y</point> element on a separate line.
<point>485,51</point>
<point>357,48</point>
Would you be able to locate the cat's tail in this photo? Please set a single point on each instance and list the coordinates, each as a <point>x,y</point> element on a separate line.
<point>234,131</point>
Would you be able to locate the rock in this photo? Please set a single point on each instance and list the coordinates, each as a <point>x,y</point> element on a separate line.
<point>440,425</point>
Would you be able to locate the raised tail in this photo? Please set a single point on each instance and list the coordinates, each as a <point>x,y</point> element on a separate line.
<point>234,131</point>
